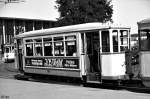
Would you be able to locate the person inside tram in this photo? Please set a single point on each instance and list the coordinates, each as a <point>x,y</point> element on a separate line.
<point>95,58</point>
<point>39,51</point>
<point>115,44</point>
<point>71,51</point>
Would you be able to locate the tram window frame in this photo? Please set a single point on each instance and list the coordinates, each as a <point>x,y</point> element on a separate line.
<point>89,44</point>
<point>115,41</point>
<point>124,38</point>
<point>53,39</point>
<point>38,47</point>
<point>48,41</point>
<point>7,49</point>
<point>105,39</point>
<point>59,49</point>
<point>144,40</point>
<point>29,52</point>
<point>71,45</point>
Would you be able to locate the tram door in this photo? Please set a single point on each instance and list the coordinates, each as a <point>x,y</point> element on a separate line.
<point>20,55</point>
<point>93,56</point>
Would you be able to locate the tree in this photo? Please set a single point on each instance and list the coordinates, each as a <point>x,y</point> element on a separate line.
<point>83,11</point>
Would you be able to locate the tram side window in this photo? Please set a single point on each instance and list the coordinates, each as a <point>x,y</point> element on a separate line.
<point>145,40</point>
<point>124,40</point>
<point>58,46</point>
<point>38,47</point>
<point>29,49</point>
<point>48,50</point>
<point>105,41</point>
<point>89,43</point>
<point>115,40</point>
<point>7,50</point>
<point>71,49</point>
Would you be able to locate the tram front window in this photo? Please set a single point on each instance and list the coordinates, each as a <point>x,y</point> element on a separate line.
<point>145,40</point>
<point>115,41</point>
<point>105,41</point>
<point>124,40</point>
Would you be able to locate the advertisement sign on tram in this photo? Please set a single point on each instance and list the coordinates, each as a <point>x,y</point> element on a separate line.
<point>53,62</point>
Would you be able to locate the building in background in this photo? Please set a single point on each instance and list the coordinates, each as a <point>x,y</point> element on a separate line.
<point>19,16</point>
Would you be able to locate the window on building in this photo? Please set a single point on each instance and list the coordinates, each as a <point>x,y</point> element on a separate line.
<point>47,24</point>
<point>38,25</point>
<point>19,26</point>
<point>9,31</point>
<point>29,26</point>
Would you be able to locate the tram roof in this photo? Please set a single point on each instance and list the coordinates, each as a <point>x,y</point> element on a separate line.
<point>144,24</point>
<point>71,28</point>
<point>144,21</point>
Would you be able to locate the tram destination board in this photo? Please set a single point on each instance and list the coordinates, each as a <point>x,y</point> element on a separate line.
<point>53,62</point>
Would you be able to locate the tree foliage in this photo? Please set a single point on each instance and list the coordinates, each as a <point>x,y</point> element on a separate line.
<point>83,11</point>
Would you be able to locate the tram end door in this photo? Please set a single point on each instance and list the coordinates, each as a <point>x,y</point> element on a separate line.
<point>93,57</point>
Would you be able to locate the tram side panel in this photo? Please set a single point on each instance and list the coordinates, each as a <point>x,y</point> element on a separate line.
<point>145,67</point>
<point>53,66</point>
<point>113,66</point>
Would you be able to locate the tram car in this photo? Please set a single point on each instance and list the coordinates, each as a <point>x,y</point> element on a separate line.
<point>92,52</point>
<point>9,54</point>
<point>144,51</point>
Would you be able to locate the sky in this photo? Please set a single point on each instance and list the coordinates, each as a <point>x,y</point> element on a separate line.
<point>129,12</point>
<point>32,9</point>
<point>126,12</point>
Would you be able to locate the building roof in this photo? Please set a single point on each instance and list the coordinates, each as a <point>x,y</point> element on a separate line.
<point>29,9</point>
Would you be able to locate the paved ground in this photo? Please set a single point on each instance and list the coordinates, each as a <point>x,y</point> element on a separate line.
<point>15,89</point>
<point>7,70</point>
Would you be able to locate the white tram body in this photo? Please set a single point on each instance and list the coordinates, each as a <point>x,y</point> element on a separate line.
<point>90,51</point>
<point>9,54</point>
<point>144,50</point>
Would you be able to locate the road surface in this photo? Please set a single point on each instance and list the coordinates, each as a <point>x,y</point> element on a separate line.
<point>17,89</point>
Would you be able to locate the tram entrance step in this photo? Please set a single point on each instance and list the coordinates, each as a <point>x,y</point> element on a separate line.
<point>94,82</point>
<point>93,77</point>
